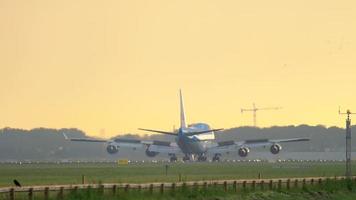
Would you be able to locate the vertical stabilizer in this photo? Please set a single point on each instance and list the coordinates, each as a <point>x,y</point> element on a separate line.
<point>182,113</point>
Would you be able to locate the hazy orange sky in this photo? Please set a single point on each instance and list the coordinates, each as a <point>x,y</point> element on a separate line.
<point>110,67</point>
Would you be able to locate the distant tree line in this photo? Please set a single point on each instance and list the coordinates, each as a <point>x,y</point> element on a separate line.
<point>49,144</point>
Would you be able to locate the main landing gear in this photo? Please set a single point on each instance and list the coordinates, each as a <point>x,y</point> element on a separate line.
<point>216,157</point>
<point>202,158</point>
<point>186,158</point>
<point>173,158</point>
<point>199,158</point>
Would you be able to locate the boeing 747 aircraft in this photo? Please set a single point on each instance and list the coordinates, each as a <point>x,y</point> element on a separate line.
<point>192,142</point>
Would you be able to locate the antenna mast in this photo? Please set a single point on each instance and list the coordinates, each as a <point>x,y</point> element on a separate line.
<point>348,173</point>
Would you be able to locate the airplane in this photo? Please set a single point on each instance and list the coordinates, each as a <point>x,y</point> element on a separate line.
<point>194,142</point>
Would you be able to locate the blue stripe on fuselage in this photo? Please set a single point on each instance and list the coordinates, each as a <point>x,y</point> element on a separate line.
<point>189,145</point>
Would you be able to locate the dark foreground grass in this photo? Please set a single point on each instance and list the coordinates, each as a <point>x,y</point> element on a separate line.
<point>327,190</point>
<point>52,174</point>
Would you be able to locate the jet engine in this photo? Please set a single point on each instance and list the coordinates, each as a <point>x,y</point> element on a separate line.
<point>151,153</point>
<point>243,151</point>
<point>275,148</point>
<point>112,149</point>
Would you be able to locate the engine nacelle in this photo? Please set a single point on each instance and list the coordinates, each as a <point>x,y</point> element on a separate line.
<point>151,153</point>
<point>243,151</point>
<point>112,149</point>
<point>276,148</point>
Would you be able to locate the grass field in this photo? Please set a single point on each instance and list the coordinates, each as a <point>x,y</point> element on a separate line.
<point>328,190</point>
<point>43,174</point>
<point>333,190</point>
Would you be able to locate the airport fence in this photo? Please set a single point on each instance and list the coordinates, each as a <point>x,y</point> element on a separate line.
<point>114,188</point>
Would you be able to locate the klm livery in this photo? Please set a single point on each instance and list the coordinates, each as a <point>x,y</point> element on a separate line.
<point>193,142</point>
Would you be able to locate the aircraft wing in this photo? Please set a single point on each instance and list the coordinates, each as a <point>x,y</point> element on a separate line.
<point>202,132</point>
<point>233,146</point>
<point>290,140</point>
<point>172,148</point>
<point>267,142</point>
<point>150,145</point>
<point>83,139</point>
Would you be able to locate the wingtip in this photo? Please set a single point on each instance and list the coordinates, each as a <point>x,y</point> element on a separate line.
<point>65,136</point>
<point>304,139</point>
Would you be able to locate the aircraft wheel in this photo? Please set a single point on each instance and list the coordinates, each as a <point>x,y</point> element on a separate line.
<point>186,158</point>
<point>216,158</point>
<point>173,159</point>
<point>202,158</point>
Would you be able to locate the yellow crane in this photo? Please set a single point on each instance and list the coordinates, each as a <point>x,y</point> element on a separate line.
<point>254,109</point>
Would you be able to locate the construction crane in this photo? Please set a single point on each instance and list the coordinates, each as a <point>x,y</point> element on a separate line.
<point>254,110</point>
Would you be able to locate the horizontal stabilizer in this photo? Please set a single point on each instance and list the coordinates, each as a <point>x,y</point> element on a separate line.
<point>202,132</point>
<point>157,131</point>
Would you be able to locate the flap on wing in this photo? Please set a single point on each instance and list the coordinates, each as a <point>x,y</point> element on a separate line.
<point>265,142</point>
<point>290,140</point>
<point>86,140</point>
<point>256,141</point>
<point>161,143</point>
<point>223,147</point>
<point>226,143</point>
<point>134,141</point>
<point>165,149</point>
<point>140,143</point>
<point>83,139</point>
